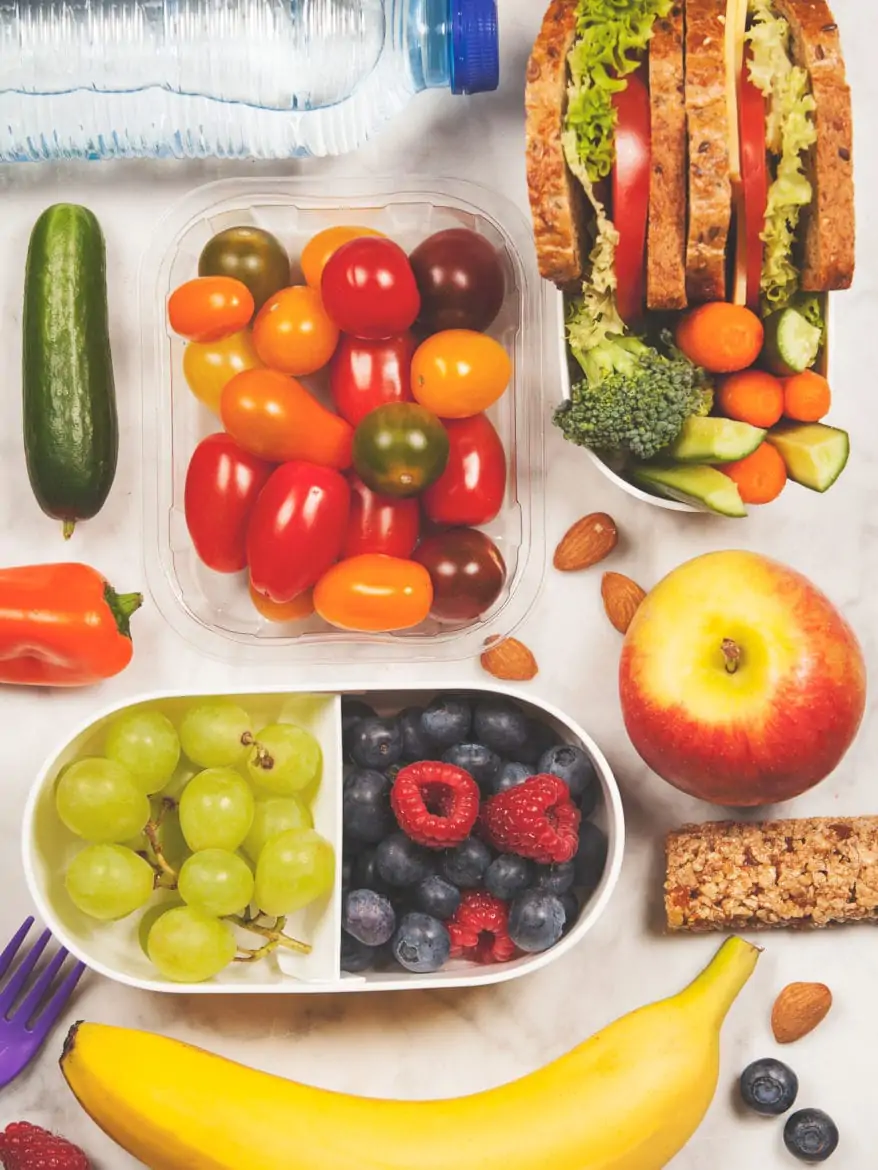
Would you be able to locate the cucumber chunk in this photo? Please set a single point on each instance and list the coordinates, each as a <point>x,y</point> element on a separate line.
<point>703,487</point>
<point>791,343</point>
<point>714,440</point>
<point>815,454</point>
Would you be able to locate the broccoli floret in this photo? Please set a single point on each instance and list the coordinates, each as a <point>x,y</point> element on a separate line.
<point>634,398</point>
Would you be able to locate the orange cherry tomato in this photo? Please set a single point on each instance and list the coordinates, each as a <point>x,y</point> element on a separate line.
<point>210,307</point>
<point>320,247</point>
<point>459,373</point>
<point>374,593</point>
<point>297,610</point>
<point>293,332</point>
<point>208,365</point>
<point>274,417</point>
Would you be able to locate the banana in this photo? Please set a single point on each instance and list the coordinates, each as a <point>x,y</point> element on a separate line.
<point>626,1099</point>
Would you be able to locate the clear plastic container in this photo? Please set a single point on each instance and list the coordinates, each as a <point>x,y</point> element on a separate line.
<point>214,611</point>
<point>114,949</point>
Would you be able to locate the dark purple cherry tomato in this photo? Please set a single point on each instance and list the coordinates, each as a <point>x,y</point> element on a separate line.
<point>222,483</point>
<point>460,279</point>
<point>467,571</point>
<point>366,374</point>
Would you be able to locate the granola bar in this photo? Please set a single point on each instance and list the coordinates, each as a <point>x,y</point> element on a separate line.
<point>729,875</point>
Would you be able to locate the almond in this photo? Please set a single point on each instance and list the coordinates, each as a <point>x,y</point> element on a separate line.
<point>621,597</point>
<point>798,1010</point>
<point>510,660</point>
<point>588,541</point>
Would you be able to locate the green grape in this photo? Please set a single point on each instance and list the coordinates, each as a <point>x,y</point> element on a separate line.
<point>285,759</point>
<point>217,882</point>
<point>98,800</point>
<point>190,946</point>
<point>294,868</point>
<point>216,810</point>
<point>147,744</point>
<point>150,917</point>
<point>215,735</point>
<point>273,816</point>
<point>108,881</point>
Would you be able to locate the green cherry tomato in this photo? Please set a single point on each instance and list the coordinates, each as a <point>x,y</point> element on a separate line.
<point>249,254</point>
<point>400,449</point>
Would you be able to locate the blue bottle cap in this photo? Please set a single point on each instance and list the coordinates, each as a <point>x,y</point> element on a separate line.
<point>475,46</point>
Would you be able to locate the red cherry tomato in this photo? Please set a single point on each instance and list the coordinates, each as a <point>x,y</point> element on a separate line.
<point>471,488</point>
<point>297,529</point>
<point>754,175</point>
<point>366,374</point>
<point>369,288</point>
<point>631,192</point>
<point>380,524</point>
<point>210,308</point>
<point>222,484</point>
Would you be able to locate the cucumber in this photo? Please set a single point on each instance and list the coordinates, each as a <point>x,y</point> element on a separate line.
<point>791,343</point>
<point>714,440</point>
<point>71,430</point>
<point>705,487</point>
<point>815,454</point>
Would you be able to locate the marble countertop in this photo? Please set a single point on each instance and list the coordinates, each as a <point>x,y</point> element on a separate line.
<point>453,1042</point>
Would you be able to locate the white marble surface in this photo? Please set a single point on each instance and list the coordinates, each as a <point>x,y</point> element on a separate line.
<point>449,1043</point>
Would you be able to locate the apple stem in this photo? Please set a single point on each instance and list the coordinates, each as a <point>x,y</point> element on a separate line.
<point>732,654</point>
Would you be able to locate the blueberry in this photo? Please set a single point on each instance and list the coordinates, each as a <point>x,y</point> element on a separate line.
<point>511,774</point>
<point>352,711</point>
<point>500,725</point>
<point>591,856</point>
<point>810,1135</point>
<point>415,744</point>
<point>769,1086</point>
<point>375,743</point>
<point>481,763</point>
<point>368,916</point>
<point>508,875</point>
<point>464,865</point>
<point>365,875</point>
<point>402,862</point>
<point>447,720</point>
<point>436,896</point>
<point>540,737</point>
<point>555,879</point>
<point>421,943</point>
<point>366,810</point>
<point>570,902</point>
<point>536,920</point>
<point>347,870</point>
<point>356,956</point>
<point>570,764</point>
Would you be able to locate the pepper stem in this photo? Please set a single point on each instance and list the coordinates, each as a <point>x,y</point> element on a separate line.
<point>732,655</point>
<point>67,528</point>
<point>122,605</point>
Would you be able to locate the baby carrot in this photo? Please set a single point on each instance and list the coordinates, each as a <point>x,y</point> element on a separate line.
<point>721,337</point>
<point>760,477</point>
<point>751,396</point>
<point>806,397</point>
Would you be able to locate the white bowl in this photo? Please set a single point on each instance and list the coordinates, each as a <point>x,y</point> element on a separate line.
<point>114,950</point>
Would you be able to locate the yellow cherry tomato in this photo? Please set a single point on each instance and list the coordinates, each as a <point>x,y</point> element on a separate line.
<point>459,373</point>
<point>320,247</point>
<point>209,365</point>
<point>297,610</point>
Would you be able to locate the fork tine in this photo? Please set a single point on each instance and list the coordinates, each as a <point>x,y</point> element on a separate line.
<point>57,1003</point>
<point>14,943</point>
<point>27,1009</point>
<point>24,968</point>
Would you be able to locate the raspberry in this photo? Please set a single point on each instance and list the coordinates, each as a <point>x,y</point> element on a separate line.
<point>480,929</point>
<point>27,1147</point>
<point>435,804</point>
<point>536,819</point>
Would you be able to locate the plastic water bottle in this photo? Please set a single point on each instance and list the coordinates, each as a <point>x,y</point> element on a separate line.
<point>230,78</point>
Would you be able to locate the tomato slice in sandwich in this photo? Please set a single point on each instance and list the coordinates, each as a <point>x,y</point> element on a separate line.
<point>754,178</point>
<point>631,193</point>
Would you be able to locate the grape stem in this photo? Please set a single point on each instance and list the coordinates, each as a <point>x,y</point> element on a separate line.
<point>274,935</point>
<point>262,757</point>
<point>160,863</point>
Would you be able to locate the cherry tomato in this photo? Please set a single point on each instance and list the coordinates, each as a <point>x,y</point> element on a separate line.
<point>459,373</point>
<point>251,255</point>
<point>399,449</point>
<point>209,365</point>
<point>467,571</point>
<point>297,610</point>
<point>374,593</point>
<point>631,192</point>
<point>222,484</point>
<point>297,529</point>
<point>365,374</point>
<point>293,333</point>
<point>276,418</point>
<point>210,307</point>
<point>369,288</point>
<point>320,247</point>
<point>460,279</point>
<point>471,488</point>
<point>380,524</point>
<point>754,176</point>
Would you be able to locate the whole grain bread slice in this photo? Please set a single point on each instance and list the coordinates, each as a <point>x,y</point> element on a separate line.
<point>826,233</point>
<point>710,185</point>
<point>556,199</point>
<point>666,232</point>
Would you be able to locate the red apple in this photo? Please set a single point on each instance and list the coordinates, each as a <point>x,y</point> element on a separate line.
<point>740,682</point>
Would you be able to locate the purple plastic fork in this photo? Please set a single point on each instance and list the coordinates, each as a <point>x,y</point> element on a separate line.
<point>27,1014</point>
